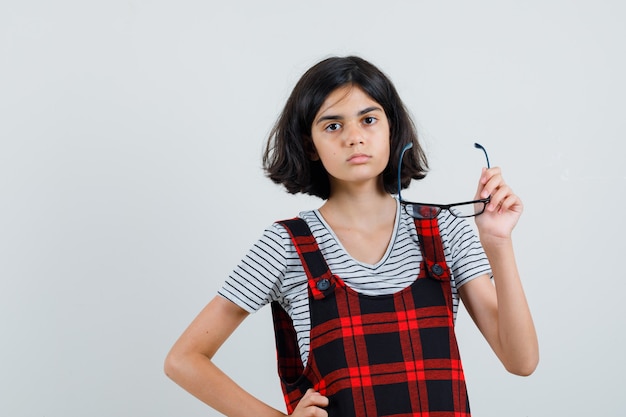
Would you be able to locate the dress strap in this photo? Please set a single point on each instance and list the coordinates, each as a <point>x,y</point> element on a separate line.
<point>321,280</point>
<point>432,248</point>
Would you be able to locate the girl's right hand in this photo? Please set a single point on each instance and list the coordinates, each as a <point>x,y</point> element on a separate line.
<point>310,405</point>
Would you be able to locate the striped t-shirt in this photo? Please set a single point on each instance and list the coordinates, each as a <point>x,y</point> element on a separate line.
<point>271,270</point>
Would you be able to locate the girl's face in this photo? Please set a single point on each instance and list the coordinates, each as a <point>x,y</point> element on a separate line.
<point>350,134</point>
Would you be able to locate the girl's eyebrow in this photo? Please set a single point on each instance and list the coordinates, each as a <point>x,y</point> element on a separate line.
<point>337,117</point>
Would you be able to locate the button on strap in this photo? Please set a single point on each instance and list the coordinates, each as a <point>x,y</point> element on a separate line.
<point>323,284</point>
<point>436,269</point>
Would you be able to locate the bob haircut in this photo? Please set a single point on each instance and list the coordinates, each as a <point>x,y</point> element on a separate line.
<point>287,156</point>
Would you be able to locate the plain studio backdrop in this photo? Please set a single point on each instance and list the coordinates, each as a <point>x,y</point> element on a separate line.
<point>131,134</point>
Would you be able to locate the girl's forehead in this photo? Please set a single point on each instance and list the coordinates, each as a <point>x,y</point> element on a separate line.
<point>347,95</point>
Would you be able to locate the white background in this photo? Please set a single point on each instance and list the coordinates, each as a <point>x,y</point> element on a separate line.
<point>130,182</point>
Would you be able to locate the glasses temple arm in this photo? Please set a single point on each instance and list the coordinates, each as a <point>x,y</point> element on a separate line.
<point>406,148</point>
<point>481,147</point>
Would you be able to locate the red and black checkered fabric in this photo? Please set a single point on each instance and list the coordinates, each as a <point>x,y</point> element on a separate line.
<point>375,356</point>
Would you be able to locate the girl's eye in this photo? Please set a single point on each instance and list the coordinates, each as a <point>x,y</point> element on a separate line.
<point>332,127</point>
<point>369,120</point>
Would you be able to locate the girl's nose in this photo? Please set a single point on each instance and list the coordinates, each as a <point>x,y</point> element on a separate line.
<point>354,135</point>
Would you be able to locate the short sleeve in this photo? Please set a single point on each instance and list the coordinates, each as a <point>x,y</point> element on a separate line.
<point>257,279</point>
<point>467,256</point>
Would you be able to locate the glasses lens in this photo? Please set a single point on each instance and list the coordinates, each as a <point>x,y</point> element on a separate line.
<point>468,210</point>
<point>419,211</point>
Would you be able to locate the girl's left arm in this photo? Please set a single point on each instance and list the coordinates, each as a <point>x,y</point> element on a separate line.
<point>500,309</point>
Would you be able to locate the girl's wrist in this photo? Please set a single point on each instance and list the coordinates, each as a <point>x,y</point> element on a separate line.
<point>496,243</point>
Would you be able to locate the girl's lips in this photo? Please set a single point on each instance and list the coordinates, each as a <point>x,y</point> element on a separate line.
<point>358,158</point>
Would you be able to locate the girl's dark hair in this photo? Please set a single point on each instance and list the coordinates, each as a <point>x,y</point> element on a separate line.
<point>287,156</point>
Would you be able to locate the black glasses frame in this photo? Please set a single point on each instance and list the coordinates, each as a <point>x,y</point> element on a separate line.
<point>431,210</point>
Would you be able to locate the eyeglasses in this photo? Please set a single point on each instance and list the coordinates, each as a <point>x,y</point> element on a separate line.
<point>429,210</point>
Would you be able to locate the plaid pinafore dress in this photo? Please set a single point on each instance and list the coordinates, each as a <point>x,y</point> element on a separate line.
<point>373,356</point>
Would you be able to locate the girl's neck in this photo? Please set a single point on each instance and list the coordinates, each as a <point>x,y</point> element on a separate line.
<point>354,208</point>
<point>362,222</point>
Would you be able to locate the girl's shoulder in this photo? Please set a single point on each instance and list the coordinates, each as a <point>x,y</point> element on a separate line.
<point>313,219</point>
<point>265,273</point>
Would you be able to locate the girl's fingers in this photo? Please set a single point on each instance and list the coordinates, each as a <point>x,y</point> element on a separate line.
<point>504,208</point>
<point>490,180</point>
<point>311,405</point>
<point>492,184</point>
<point>511,202</point>
<point>498,196</point>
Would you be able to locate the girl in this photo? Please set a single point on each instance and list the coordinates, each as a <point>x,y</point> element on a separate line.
<point>364,290</point>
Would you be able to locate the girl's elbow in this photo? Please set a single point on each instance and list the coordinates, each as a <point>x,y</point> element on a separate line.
<point>523,368</point>
<point>172,365</point>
